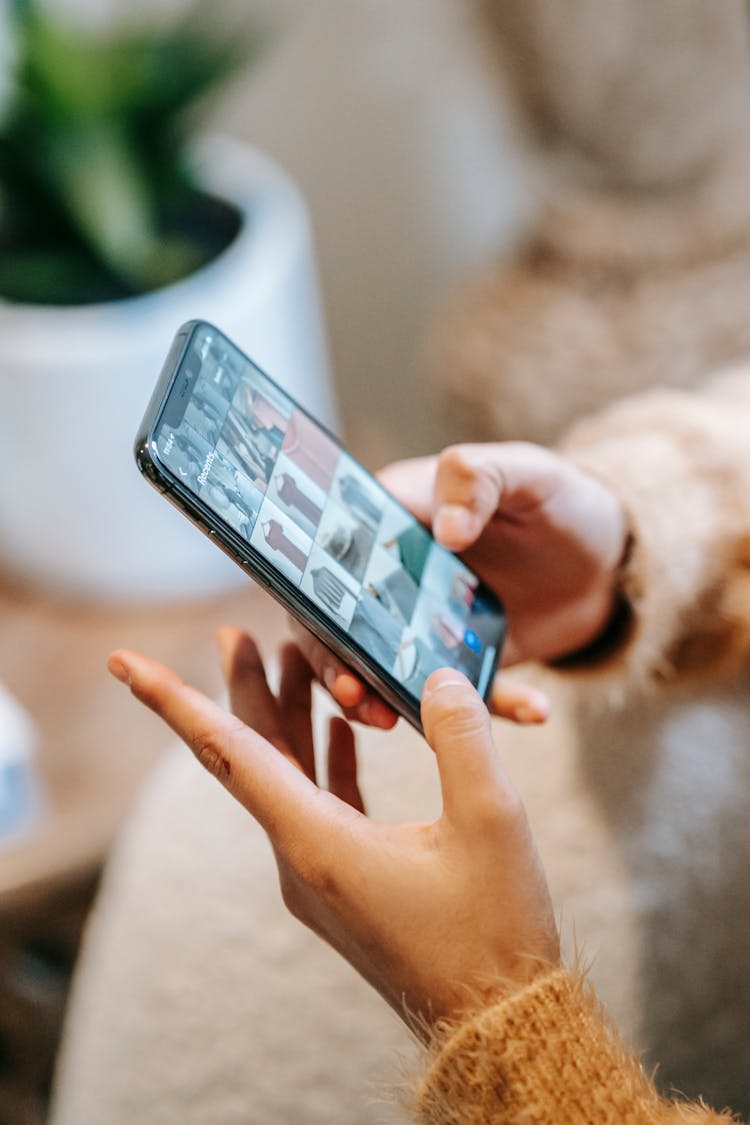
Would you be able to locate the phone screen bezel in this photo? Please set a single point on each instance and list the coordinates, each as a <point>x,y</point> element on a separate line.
<point>241,551</point>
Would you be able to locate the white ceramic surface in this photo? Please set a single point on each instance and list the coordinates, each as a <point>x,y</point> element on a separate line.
<point>75,516</point>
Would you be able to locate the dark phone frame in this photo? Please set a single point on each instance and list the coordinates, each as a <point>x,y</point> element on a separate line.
<point>252,561</point>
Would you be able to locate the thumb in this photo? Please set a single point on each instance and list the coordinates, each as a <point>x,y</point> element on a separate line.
<point>457,727</point>
<point>412,482</point>
<point>474,482</point>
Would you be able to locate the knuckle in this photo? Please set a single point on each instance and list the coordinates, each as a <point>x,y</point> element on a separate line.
<point>487,814</point>
<point>325,879</point>
<point>454,719</point>
<point>301,905</point>
<point>212,755</point>
<point>498,811</point>
<point>303,885</point>
<point>322,881</point>
<point>311,872</point>
<point>290,894</point>
<point>502,822</point>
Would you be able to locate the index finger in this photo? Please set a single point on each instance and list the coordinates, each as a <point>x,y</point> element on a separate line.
<point>270,786</point>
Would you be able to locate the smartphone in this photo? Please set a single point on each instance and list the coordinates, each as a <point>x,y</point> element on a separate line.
<point>279,494</point>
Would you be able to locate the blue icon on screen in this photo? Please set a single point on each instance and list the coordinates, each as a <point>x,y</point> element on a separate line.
<point>472,641</point>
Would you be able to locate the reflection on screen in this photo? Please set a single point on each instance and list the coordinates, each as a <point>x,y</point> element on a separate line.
<point>284,485</point>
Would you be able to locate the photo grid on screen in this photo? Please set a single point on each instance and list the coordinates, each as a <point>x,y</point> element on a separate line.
<point>278,480</point>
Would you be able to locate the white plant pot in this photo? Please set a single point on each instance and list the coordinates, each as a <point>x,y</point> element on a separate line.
<point>75,516</point>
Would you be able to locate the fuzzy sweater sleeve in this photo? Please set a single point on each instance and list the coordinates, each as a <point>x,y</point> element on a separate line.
<point>543,1056</point>
<point>680,462</point>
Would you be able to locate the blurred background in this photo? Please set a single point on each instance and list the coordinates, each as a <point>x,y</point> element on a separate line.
<point>391,122</point>
<point>387,118</point>
<point>443,220</point>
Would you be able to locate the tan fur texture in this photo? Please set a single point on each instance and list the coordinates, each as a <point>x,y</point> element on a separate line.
<point>531,349</point>
<point>679,463</point>
<point>638,269</point>
<point>651,91</point>
<point>546,1054</point>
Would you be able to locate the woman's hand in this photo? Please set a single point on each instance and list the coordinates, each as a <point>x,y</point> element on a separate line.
<point>432,915</point>
<point>544,535</point>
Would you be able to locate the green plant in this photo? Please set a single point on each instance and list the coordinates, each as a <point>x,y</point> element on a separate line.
<point>97,201</point>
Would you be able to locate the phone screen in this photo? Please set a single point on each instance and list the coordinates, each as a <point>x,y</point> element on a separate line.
<point>287,488</point>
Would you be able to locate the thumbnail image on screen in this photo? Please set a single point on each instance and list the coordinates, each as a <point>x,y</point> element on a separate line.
<point>283,484</point>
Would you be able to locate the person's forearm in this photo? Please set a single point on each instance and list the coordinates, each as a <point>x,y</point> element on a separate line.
<point>544,1055</point>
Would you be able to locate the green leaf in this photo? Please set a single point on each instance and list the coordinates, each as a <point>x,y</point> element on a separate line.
<point>159,71</point>
<point>105,193</point>
<point>56,277</point>
<point>92,147</point>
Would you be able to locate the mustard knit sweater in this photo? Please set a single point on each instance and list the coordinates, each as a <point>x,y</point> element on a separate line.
<point>544,1056</point>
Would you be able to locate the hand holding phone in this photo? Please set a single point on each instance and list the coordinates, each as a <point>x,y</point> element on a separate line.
<point>277,492</point>
<point>533,525</point>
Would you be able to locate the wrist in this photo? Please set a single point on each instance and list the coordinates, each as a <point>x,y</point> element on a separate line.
<point>609,613</point>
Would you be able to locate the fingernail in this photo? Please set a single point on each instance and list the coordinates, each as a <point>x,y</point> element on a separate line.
<point>330,675</point>
<point>454,522</point>
<point>119,670</point>
<point>429,691</point>
<point>537,712</point>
